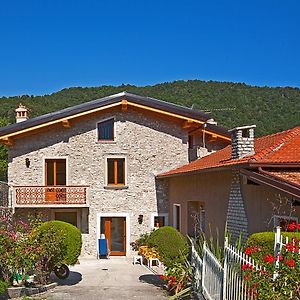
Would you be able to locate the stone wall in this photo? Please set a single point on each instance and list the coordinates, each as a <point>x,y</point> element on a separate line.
<point>4,190</point>
<point>237,221</point>
<point>150,146</point>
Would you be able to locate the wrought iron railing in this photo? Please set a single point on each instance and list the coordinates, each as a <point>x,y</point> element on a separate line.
<point>28,195</point>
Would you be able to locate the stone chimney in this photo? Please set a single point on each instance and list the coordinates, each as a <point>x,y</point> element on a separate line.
<point>21,113</point>
<point>242,143</point>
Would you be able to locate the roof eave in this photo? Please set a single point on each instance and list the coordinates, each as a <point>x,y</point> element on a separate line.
<point>206,170</point>
<point>273,182</point>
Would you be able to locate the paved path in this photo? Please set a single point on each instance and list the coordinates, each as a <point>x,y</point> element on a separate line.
<point>115,278</point>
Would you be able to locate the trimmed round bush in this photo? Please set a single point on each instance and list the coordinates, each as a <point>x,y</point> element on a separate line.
<point>171,245</point>
<point>265,242</point>
<point>70,240</point>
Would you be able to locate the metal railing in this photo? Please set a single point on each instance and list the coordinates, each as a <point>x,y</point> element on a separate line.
<point>47,195</point>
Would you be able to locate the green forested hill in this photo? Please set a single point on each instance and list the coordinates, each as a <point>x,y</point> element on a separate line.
<point>271,109</point>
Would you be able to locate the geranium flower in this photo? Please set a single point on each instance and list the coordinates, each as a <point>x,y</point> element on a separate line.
<point>246,267</point>
<point>269,259</point>
<point>290,263</point>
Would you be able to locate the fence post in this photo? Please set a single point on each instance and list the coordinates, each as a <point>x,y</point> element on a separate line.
<point>225,269</point>
<point>203,266</point>
<point>277,250</point>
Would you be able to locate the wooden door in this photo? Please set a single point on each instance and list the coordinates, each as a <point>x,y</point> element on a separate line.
<point>115,233</point>
<point>55,178</point>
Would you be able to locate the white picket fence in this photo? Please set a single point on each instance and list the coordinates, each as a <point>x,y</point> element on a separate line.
<point>215,281</point>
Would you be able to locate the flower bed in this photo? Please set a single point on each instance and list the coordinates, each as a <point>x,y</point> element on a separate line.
<point>279,275</point>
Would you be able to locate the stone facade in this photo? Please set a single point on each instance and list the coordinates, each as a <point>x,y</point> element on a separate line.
<point>4,194</point>
<point>150,145</point>
<point>237,221</point>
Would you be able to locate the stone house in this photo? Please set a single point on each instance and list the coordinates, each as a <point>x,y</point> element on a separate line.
<point>94,164</point>
<point>252,185</point>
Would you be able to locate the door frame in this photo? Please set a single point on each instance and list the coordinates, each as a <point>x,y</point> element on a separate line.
<point>115,214</point>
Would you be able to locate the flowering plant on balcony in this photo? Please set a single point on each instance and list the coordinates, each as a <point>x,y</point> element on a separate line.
<point>279,275</point>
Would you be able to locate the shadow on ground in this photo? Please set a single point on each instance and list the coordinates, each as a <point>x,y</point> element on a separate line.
<point>152,279</point>
<point>73,279</point>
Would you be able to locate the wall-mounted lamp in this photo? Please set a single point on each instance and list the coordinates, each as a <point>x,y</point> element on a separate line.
<point>140,219</point>
<point>27,162</point>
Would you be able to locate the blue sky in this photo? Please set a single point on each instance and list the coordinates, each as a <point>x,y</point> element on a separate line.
<point>47,45</point>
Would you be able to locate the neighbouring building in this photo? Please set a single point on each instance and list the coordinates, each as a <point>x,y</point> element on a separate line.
<point>252,185</point>
<point>95,164</point>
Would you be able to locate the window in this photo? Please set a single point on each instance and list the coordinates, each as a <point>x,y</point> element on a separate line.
<point>68,217</point>
<point>55,172</point>
<point>115,171</point>
<point>159,221</point>
<point>106,130</point>
<point>176,216</point>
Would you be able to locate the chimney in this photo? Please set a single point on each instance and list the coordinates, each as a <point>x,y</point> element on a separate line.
<point>242,143</point>
<point>212,122</point>
<point>21,113</point>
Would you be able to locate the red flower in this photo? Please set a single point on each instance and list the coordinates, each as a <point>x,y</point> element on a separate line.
<point>249,250</point>
<point>247,277</point>
<point>269,259</point>
<point>290,263</point>
<point>292,226</point>
<point>292,247</point>
<point>279,257</point>
<point>247,267</point>
<point>162,277</point>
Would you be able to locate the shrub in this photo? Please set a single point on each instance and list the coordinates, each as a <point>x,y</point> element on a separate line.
<point>70,237</point>
<point>279,275</point>
<point>3,286</point>
<point>141,241</point>
<point>171,245</point>
<point>261,244</point>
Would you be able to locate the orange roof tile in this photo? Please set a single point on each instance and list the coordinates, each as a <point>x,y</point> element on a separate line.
<point>281,147</point>
<point>290,176</point>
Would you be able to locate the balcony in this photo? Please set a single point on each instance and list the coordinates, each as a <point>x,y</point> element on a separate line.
<point>44,196</point>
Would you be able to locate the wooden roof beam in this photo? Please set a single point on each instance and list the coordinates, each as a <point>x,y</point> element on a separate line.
<point>7,141</point>
<point>66,123</point>
<point>124,105</point>
<point>188,124</point>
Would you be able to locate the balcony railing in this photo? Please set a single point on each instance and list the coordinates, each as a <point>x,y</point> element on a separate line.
<point>49,195</point>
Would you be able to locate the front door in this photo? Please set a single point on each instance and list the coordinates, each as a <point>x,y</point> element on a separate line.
<point>114,229</point>
<point>55,176</point>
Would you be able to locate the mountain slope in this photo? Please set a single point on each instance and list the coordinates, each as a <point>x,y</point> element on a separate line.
<point>232,104</point>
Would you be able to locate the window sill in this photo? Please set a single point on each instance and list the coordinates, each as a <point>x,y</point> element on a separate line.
<point>106,142</point>
<point>116,187</point>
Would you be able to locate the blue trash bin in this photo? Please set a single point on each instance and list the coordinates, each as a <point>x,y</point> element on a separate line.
<point>103,249</point>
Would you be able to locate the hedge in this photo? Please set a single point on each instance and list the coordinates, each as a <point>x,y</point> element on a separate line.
<point>71,241</point>
<point>171,245</point>
<point>265,242</point>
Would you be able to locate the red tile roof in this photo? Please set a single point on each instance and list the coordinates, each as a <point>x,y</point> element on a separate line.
<point>290,176</point>
<point>281,147</point>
